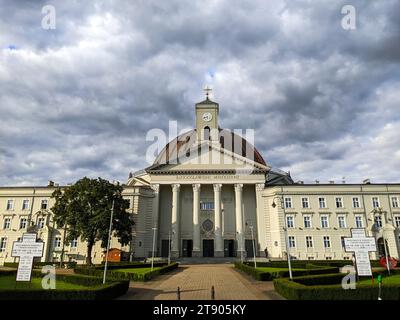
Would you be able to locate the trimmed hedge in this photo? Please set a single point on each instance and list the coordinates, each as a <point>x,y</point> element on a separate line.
<point>95,290</point>
<point>303,263</point>
<point>328,287</point>
<point>117,275</point>
<point>268,276</point>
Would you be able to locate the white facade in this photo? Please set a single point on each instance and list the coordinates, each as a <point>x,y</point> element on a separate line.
<point>211,193</point>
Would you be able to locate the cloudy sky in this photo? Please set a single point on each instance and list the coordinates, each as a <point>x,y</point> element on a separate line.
<point>78,100</point>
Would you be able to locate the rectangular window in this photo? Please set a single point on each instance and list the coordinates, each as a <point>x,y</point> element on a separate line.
<point>342,222</point>
<point>3,244</point>
<point>57,242</point>
<point>43,205</point>
<point>309,242</point>
<point>40,223</point>
<point>292,242</point>
<point>397,221</point>
<point>375,202</point>
<point>304,203</point>
<point>288,203</point>
<point>74,243</point>
<point>356,202</point>
<point>290,222</point>
<point>339,202</point>
<point>359,222</point>
<point>307,222</point>
<point>322,203</point>
<point>207,205</point>
<point>327,242</point>
<point>7,223</point>
<point>25,205</point>
<point>378,221</point>
<point>23,223</point>
<point>395,202</point>
<point>324,222</point>
<point>10,204</point>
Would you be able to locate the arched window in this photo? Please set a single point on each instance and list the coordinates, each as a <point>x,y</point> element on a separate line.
<point>207,133</point>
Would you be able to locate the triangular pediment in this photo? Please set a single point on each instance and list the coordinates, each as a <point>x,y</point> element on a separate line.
<point>208,156</point>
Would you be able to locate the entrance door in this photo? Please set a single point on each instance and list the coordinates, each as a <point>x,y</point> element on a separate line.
<point>164,248</point>
<point>187,247</point>
<point>248,245</point>
<point>208,248</point>
<point>229,248</point>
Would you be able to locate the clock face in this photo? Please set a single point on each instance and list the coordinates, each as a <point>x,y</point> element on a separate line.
<point>207,116</point>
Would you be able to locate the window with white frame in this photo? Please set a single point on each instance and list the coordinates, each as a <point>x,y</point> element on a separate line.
<point>23,223</point>
<point>324,222</point>
<point>290,222</point>
<point>307,221</point>
<point>359,222</point>
<point>375,202</point>
<point>3,244</point>
<point>7,223</point>
<point>309,241</point>
<point>356,202</point>
<point>74,243</point>
<point>41,222</point>
<point>304,203</point>
<point>25,204</point>
<point>397,221</point>
<point>395,202</point>
<point>57,242</point>
<point>10,204</point>
<point>327,242</point>
<point>207,205</point>
<point>342,222</point>
<point>292,242</point>
<point>44,204</point>
<point>339,202</point>
<point>322,202</point>
<point>288,203</point>
<point>378,221</point>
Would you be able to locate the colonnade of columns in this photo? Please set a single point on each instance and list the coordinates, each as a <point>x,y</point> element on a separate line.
<point>218,220</point>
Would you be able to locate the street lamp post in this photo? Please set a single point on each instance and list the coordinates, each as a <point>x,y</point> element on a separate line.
<point>286,234</point>
<point>254,249</point>
<point>169,247</point>
<point>152,258</point>
<point>108,243</point>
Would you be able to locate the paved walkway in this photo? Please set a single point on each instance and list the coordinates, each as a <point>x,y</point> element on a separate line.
<point>195,282</point>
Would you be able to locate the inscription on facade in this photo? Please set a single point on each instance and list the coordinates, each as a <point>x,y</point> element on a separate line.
<point>201,177</point>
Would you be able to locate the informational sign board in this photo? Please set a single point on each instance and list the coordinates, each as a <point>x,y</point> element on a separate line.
<point>26,250</point>
<point>361,246</point>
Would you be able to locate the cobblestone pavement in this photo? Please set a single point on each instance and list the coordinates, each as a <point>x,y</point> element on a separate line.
<point>195,282</point>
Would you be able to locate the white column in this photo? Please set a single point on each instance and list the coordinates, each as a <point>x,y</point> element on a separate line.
<point>219,246</point>
<point>239,220</point>
<point>175,220</point>
<point>262,232</point>
<point>196,222</point>
<point>156,210</point>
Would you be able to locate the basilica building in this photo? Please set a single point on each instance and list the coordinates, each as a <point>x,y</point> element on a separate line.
<point>210,193</point>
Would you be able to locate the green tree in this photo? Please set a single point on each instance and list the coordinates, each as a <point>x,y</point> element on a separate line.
<point>85,209</point>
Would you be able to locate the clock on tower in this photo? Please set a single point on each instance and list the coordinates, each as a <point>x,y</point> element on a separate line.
<point>207,119</point>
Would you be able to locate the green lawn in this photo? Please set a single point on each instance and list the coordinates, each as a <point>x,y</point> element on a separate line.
<point>8,282</point>
<point>395,279</point>
<point>136,270</point>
